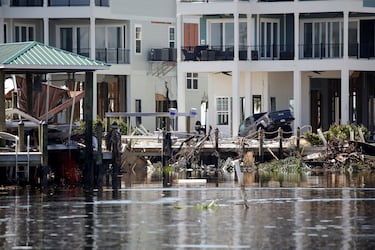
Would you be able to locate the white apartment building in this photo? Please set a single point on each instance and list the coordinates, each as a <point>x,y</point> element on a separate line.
<point>315,57</point>
<point>137,38</point>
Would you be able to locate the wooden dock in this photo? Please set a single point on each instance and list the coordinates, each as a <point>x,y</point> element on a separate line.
<point>20,158</point>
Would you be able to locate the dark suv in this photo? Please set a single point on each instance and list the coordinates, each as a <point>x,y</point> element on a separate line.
<point>270,122</point>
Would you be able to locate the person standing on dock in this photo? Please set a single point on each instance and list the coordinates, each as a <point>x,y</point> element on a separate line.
<point>113,143</point>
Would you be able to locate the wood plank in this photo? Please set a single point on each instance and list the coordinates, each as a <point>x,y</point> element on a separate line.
<point>63,106</point>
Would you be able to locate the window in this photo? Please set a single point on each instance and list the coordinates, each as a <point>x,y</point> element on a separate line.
<point>324,39</point>
<point>269,38</point>
<point>24,33</point>
<point>66,39</point>
<point>109,42</point>
<point>273,103</point>
<point>353,38</point>
<point>191,80</point>
<point>75,39</point>
<point>138,108</point>
<point>138,39</point>
<point>171,37</point>
<point>222,108</point>
<point>257,104</point>
<point>222,34</point>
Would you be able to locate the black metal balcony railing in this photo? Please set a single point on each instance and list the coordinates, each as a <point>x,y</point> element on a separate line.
<point>221,53</point>
<point>207,1</point>
<point>114,56</point>
<point>272,52</point>
<point>362,50</point>
<point>39,3</point>
<point>68,2</point>
<point>164,54</point>
<point>26,3</point>
<point>321,50</point>
<point>104,3</point>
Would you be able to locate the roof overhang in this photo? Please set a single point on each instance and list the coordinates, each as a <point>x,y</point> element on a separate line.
<point>35,57</point>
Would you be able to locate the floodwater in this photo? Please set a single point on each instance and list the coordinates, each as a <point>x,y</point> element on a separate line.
<point>327,210</point>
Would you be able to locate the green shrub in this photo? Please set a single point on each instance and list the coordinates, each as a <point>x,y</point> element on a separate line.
<point>338,132</point>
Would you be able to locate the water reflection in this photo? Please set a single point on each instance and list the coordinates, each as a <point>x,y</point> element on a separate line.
<point>327,210</point>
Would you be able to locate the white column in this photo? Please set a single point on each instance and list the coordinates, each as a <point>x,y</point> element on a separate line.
<point>181,100</point>
<point>346,34</point>
<point>236,80</point>
<point>1,30</point>
<point>248,95</point>
<point>10,28</point>
<point>180,77</point>
<point>236,36</point>
<point>92,55</point>
<point>92,37</point>
<point>46,31</point>
<point>296,35</point>
<point>250,35</point>
<point>297,98</point>
<point>345,117</point>
<point>345,96</point>
<point>179,34</point>
<point>236,101</point>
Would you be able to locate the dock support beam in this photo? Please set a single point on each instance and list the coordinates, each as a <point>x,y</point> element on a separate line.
<point>280,136</point>
<point>43,142</point>
<point>88,173</point>
<point>166,154</point>
<point>2,103</point>
<point>261,149</point>
<point>298,138</point>
<point>99,157</point>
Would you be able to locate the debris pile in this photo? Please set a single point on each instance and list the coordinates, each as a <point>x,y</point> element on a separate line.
<point>343,154</point>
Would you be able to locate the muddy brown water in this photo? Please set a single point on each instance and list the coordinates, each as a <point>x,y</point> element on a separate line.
<point>327,210</point>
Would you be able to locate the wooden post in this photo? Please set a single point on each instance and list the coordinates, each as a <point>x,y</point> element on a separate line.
<point>217,156</point>
<point>21,136</point>
<point>166,153</point>
<point>261,149</point>
<point>2,103</point>
<point>88,175</point>
<point>99,157</point>
<point>217,139</point>
<point>280,136</point>
<point>29,92</point>
<point>298,138</point>
<point>43,147</point>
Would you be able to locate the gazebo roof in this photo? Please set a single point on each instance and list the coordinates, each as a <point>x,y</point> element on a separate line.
<point>40,58</point>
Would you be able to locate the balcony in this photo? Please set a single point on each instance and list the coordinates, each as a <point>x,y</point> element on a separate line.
<point>53,3</point>
<point>26,3</point>
<point>163,55</point>
<point>113,56</point>
<point>210,1</point>
<point>321,51</point>
<point>361,50</point>
<point>104,3</point>
<point>221,53</point>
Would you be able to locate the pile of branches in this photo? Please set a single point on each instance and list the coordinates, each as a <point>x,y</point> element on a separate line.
<point>343,154</point>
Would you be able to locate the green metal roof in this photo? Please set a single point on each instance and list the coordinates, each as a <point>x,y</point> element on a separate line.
<point>35,56</point>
